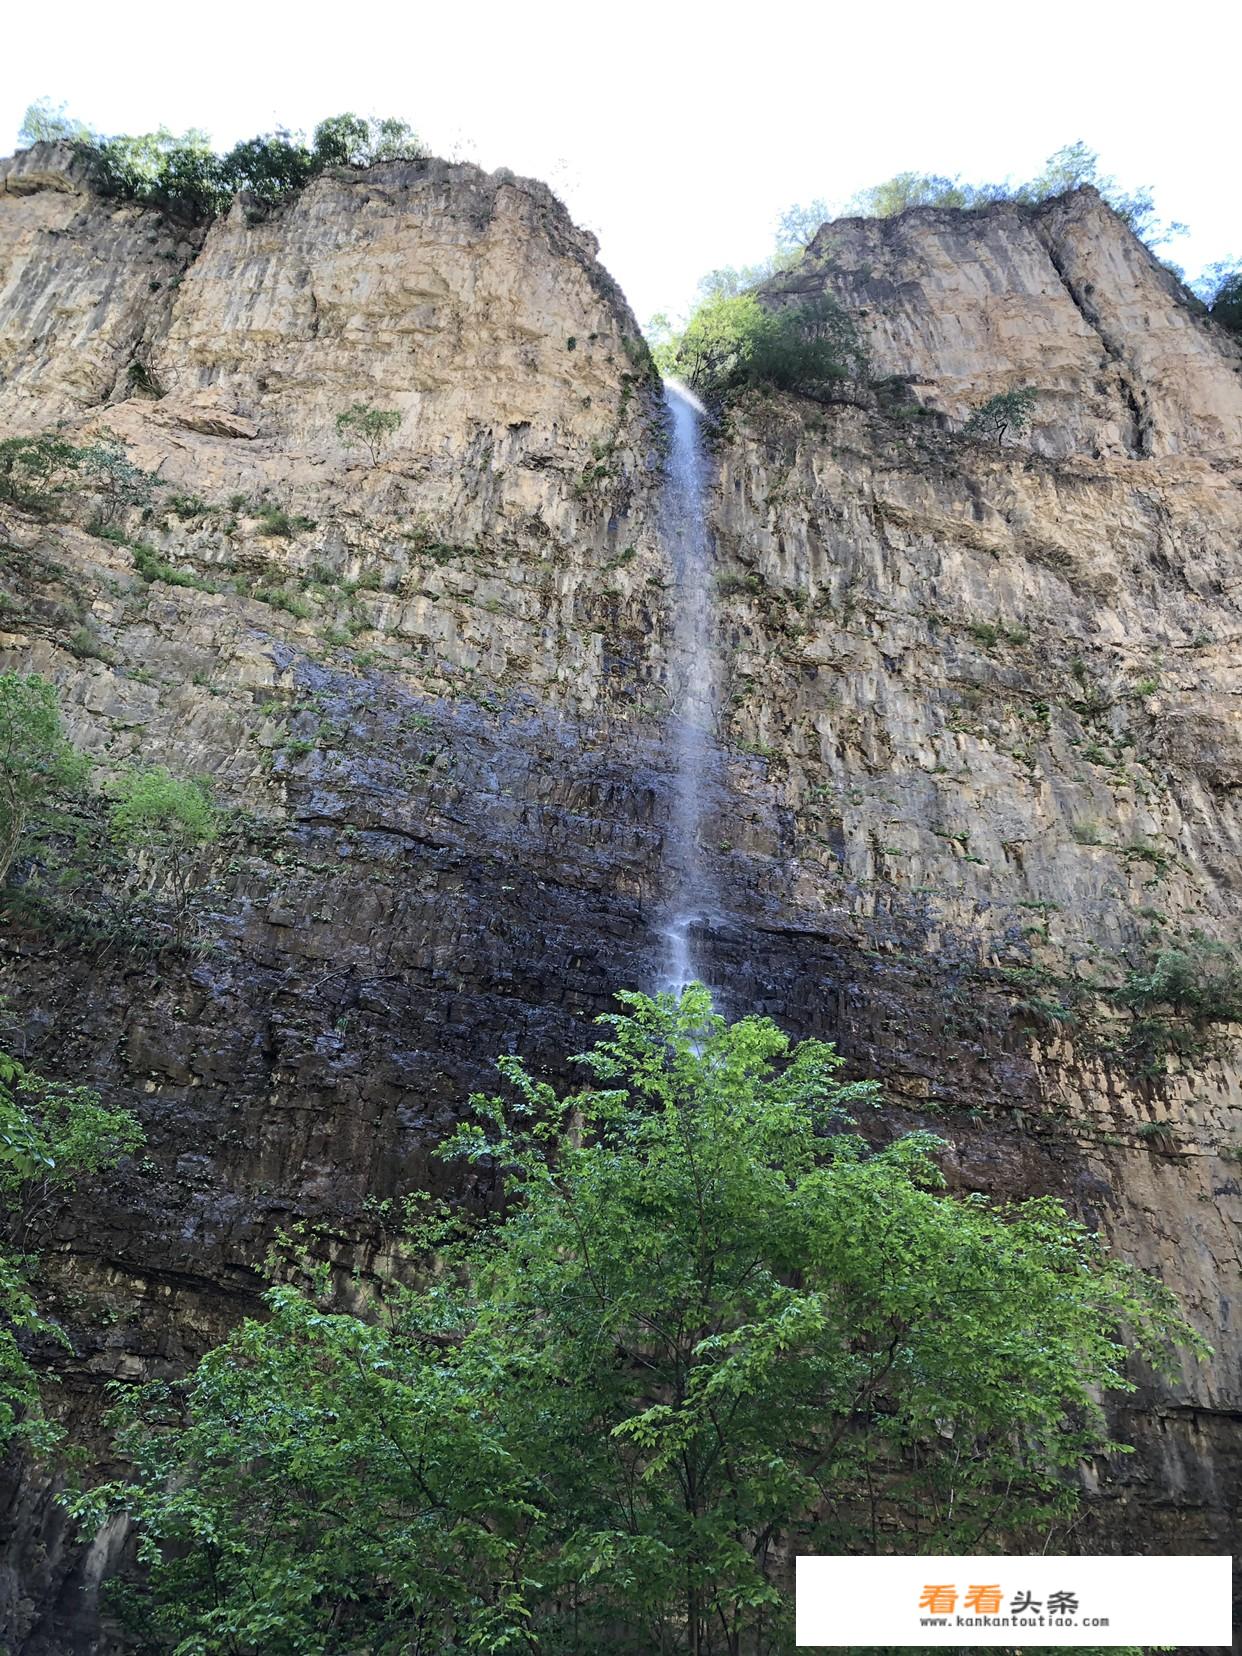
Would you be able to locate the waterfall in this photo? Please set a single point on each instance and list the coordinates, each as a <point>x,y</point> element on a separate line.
<point>691,902</point>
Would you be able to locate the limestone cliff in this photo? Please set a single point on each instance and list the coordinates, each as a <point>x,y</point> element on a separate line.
<point>982,748</point>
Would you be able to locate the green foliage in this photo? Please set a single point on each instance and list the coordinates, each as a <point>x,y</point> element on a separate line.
<point>34,471</point>
<point>365,426</point>
<point>169,821</point>
<point>36,761</point>
<point>1068,169</point>
<point>1198,978</point>
<point>798,226</point>
<point>274,520</point>
<point>733,340</point>
<point>152,567</point>
<point>47,123</point>
<point>1007,411</point>
<point>1220,288</point>
<point>120,483</point>
<point>910,189</point>
<point>358,141</point>
<point>51,1136</point>
<point>715,1329</point>
<point>183,174</point>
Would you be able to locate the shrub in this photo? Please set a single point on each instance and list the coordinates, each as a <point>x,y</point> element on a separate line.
<point>1198,978</point>
<point>367,427</point>
<point>733,341</point>
<point>359,141</point>
<point>1220,288</point>
<point>121,483</point>
<point>182,174</point>
<point>274,520</point>
<point>1007,411</point>
<point>167,819</point>
<point>37,763</point>
<point>1071,167</point>
<point>51,1136</point>
<point>35,470</point>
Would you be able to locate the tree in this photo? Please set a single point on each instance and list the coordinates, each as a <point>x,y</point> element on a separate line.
<point>360,141</point>
<point>34,471</point>
<point>733,340</point>
<point>1220,288</point>
<point>716,1328</point>
<point>169,820</point>
<point>1069,168</point>
<point>909,189</point>
<point>51,1137</point>
<point>1007,411</point>
<point>799,225</point>
<point>36,761</point>
<point>47,123</point>
<point>120,483</point>
<point>368,427</point>
<point>183,175</point>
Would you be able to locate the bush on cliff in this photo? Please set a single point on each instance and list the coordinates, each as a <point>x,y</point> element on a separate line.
<point>168,821</point>
<point>184,175</point>
<point>37,762</point>
<point>733,341</point>
<point>51,1137</point>
<point>716,1327</point>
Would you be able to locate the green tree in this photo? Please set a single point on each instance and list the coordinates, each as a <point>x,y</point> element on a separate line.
<point>798,226</point>
<point>1069,168</point>
<point>367,427</point>
<point>48,123</point>
<point>35,471</point>
<point>1005,412</point>
<point>37,763</point>
<point>733,340</point>
<point>119,482</point>
<point>51,1137</point>
<point>360,141</point>
<point>1220,288</point>
<point>716,1328</point>
<point>169,821</point>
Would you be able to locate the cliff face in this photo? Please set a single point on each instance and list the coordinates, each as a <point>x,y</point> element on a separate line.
<point>981,744</point>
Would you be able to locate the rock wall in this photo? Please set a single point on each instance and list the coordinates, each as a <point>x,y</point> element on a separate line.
<point>981,747</point>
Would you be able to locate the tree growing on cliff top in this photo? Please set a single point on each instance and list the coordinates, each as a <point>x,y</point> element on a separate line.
<point>183,174</point>
<point>716,1328</point>
<point>37,763</point>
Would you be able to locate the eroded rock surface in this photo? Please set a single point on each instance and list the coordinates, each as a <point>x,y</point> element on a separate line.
<point>981,744</point>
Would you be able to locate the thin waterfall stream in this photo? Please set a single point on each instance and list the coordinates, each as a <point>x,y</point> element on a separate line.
<point>692,902</point>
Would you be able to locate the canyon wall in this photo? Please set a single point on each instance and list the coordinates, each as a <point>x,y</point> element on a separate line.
<point>980,755</point>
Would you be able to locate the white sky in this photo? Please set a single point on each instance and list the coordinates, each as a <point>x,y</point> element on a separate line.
<point>679,132</point>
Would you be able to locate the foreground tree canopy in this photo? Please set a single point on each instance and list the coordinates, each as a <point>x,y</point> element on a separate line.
<point>716,1328</point>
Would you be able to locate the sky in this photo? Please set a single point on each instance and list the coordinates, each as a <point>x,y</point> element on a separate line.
<point>678,133</point>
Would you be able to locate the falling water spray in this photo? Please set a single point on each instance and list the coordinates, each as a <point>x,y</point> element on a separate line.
<point>692,903</point>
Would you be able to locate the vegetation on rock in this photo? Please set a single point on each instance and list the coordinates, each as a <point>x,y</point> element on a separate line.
<point>37,763</point>
<point>1007,411</point>
<point>1071,167</point>
<point>733,341</point>
<point>363,425</point>
<point>184,175</point>
<point>716,1327</point>
<point>167,820</point>
<point>51,1137</point>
